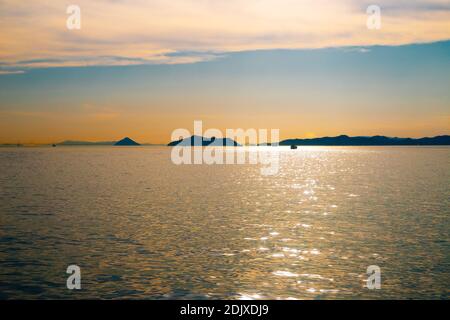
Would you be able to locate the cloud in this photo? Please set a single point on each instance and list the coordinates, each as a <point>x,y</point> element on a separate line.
<point>129,32</point>
<point>100,60</point>
<point>2,72</point>
<point>356,49</point>
<point>405,7</point>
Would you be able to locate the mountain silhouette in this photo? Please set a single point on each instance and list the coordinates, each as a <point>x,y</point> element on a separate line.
<point>344,140</point>
<point>203,141</point>
<point>126,142</point>
<point>86,143</point>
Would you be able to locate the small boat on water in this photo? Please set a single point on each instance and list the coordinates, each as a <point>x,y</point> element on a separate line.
<point>293,147</point>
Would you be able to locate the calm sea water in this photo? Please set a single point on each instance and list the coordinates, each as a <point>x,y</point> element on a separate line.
<point>140,227</point>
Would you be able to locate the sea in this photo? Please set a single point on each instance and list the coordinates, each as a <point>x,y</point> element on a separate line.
<point>139,226</point>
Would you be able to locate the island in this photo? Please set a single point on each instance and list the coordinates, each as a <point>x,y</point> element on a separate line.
<point>126,142</point>
<point>344,140</point>
<point>204,141</point>
<point>86,143</point>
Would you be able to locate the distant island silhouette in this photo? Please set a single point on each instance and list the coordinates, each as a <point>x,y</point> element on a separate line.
<point>344,140</point>
<point>86,143</point>
<point>126,142</point>
<point>203,141</point>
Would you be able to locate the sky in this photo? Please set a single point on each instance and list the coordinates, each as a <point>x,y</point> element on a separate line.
<point>145,68</point>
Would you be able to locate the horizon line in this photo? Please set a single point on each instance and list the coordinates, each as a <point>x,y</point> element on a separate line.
<point>165,143</point>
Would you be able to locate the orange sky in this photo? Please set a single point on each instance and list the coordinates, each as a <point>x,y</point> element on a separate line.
<point>166,64</point>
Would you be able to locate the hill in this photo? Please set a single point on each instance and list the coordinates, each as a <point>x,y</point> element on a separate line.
<point>126,142</point>
<point>344,140</point>
<point>203,141</point>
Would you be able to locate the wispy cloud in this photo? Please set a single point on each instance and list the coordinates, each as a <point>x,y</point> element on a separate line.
<point>99,60</point>
<point>127,32</point>
<point>406,7</point>
<point>11,72</point>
